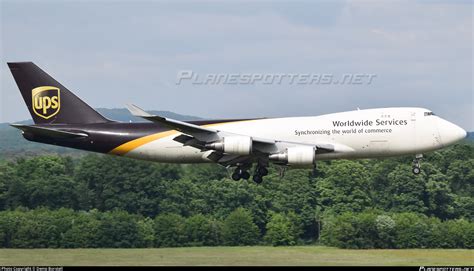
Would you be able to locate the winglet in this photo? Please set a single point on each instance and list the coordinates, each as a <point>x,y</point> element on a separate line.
<point>137,111</point>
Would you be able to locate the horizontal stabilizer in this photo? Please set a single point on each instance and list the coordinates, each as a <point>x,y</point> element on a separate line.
<point>55,133</point>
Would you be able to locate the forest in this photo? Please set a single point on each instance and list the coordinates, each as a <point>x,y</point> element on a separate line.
<point>91,201</point>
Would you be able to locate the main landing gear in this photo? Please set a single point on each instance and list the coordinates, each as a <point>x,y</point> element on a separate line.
<point>242,173</point>
<point>416,164</point>
<point>260,172</point>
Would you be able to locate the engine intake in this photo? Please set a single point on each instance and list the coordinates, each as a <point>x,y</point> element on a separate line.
<point>240,145</point>
<point>297,156</point>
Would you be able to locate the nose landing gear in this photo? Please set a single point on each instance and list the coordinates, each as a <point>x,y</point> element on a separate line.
<point>416,164</point>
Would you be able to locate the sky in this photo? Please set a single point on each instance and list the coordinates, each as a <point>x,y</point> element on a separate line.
<point>111,53</point>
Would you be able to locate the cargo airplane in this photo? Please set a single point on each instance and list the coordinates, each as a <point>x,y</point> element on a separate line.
<point>61,118</point>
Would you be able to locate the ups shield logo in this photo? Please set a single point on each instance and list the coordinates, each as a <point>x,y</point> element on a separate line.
<point>46,101</point>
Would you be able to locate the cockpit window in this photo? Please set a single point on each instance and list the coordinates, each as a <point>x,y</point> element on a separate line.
<point>429,114</point>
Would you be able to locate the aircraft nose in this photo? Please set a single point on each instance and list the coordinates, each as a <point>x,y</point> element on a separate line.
<point>450,133</point>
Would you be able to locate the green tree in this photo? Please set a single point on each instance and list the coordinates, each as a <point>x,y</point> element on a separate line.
<point>406,190</point>
<point>146,232</point>
<point>109,183</point>
<point>8,180</point>
<point>461,232</point>
<point>10,221</point>
<point>40,181</point>
<point>345,187</point>
<point>204,173</point>
<point>85,231</point>
<point>203,231</point>
<point>41,228</point>
<point>118,229</point>
<point>461,174</point>
<point>54,192</point>
<point>294,193</point>
<point>350,230</point>
<point>170,231</point>
<point>239,229</point>
<point>385,226</point>
<point>411,230</point>
<point>440,198</point>
<point>178,197</point>
<point>464,207</point>
<point>282,231</point>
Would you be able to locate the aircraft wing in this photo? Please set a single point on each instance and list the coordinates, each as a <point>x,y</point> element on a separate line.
<point>200,133</point>
<point>197,136</point>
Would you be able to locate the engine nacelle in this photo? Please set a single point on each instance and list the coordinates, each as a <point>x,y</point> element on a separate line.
<point>297,156</point>
<point>240,145</point>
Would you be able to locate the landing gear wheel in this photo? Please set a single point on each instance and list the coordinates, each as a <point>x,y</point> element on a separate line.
<point>236,176</point>
<point>416,164</point>
<point>257,179</point>
<point>262,171</point>
<point>245,175</point>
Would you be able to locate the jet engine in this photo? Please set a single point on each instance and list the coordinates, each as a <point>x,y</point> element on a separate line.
<point>296,156</point>
<point>240,145</point>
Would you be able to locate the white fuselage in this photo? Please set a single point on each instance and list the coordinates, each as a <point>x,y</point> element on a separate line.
<point>367,133</point>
